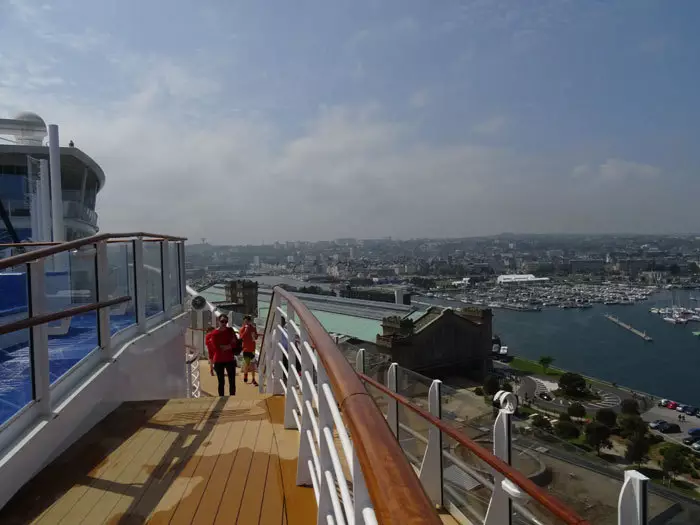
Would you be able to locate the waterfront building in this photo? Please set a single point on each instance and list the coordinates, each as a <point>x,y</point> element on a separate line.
<point>440,342</point>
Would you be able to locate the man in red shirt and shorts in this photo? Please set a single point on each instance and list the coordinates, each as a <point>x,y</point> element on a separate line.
<point>221,344</point>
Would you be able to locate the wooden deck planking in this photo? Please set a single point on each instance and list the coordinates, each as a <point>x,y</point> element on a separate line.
<point>211,460</point>
<point>62,506</point>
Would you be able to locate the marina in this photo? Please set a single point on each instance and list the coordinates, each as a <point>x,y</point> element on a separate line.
<point>641,334</point>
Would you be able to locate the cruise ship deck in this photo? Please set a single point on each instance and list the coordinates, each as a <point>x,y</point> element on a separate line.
<point>135,432</point>
<point>207,460</point>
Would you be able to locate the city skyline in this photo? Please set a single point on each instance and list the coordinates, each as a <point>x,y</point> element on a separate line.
<point>241,121</point>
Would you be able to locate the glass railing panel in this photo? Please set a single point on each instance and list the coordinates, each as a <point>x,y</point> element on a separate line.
<point>71,281</point>
<point>120,259</point>
<point>173,280</point>
<point>15,364</point>
<point>467,484</point>
<point>587,482</point>
<point>152,261</point>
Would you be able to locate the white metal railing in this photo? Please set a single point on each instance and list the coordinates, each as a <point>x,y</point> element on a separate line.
<point>508,503</point>
<point>311,408</point>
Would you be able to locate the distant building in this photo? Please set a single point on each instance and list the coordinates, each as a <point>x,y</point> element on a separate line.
<point>520,279</point>
<point>587,265</point>
<point>440,343</point>
<point>241,299</point>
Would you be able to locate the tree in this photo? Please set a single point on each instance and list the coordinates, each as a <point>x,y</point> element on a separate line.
<point>572,384</point>
<point>598,436</point>
<point>629,406</point>
<point>566,430</point>
<point>564,417</point>
<point>545,362</point>
<point>606,416</point>
<point>491,385</point>
<point>637,449</point>
<point>675,461</point>
<point>632,426</point>
<point>576,410</point>
<point>542,423</point>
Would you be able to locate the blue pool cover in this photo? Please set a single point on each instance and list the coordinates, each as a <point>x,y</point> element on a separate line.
<point>64,352</point>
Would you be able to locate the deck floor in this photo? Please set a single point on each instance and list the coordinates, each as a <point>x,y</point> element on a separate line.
<point>201,461</point>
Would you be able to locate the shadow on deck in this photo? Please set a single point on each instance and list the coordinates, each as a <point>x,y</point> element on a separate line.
<point>208,460</point>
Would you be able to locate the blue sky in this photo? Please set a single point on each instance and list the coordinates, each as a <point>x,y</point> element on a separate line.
<point>405,118</point>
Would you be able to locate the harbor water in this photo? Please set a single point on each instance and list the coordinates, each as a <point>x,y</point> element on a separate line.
<point>585,341</point>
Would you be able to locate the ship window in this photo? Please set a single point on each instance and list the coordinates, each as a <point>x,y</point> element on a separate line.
<point>12,187</point>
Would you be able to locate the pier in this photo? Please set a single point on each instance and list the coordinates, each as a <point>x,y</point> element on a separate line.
<point>641,334</point>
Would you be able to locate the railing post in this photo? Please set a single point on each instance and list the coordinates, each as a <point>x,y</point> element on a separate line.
<point>632,505</point>
<point>361,499</point>
<point>393,404</point>
<point>165,275</point>
<point>141,287</point>
<point>270,344</point>
<point>290,400</point>
<point>360,366</point>
<point>188,371</point>
<point>39,342</point>
<point>182,288</point>
<point>103,318</point>
<point>431,467</point>
<point>325,420</point>
<point>500,511</point>
<point>277,365</point>
<point>303,474</point>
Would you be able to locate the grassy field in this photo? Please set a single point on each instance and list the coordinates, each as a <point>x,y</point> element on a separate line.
<point>532,367</point>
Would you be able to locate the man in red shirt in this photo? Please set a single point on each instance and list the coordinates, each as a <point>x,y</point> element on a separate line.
<point>249,334</point>
<point>220,344</point>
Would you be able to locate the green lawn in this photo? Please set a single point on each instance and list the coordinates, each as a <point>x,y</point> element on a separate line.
<point>532,367</point>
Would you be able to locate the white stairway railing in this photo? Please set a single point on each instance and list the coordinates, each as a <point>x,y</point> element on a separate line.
<point>311,408</point>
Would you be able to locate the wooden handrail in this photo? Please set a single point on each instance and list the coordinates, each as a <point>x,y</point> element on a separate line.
<point>552,504</point>
<point>396,492</point>
<point>27,257</point>
<point>52,243</point>
<point>56,316</point>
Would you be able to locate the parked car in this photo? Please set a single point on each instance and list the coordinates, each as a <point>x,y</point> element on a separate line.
<point>694,432</point>
<point>663,402</point>
<point>691,411</point>
<point>681,408</point>
<point>672,405</point>
<point>691,439</point>
<point>655,424</point>
<point>696,446</point>
<point>546,396</point>
<point>669,428</point>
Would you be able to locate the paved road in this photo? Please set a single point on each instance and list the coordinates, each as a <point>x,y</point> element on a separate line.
<point>532,385</point>
<point>594,465</point>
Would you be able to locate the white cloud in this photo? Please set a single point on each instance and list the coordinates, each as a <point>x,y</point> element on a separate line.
<point>615,170</point>
<point>420,99</point>
<point>492,126</point>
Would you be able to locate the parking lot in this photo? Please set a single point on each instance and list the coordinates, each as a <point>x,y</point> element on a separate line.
<point>672,417</point>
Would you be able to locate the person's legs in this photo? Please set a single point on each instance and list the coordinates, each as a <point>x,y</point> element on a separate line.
<point>231,371</point>
<point>219,368</point>
<point>252,368</point>
<point>246,367</point>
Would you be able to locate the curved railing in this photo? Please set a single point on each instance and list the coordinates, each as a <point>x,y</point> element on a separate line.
<point>325,394</point>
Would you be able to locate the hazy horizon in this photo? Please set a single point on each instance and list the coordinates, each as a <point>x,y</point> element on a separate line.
<point>244,121</point>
